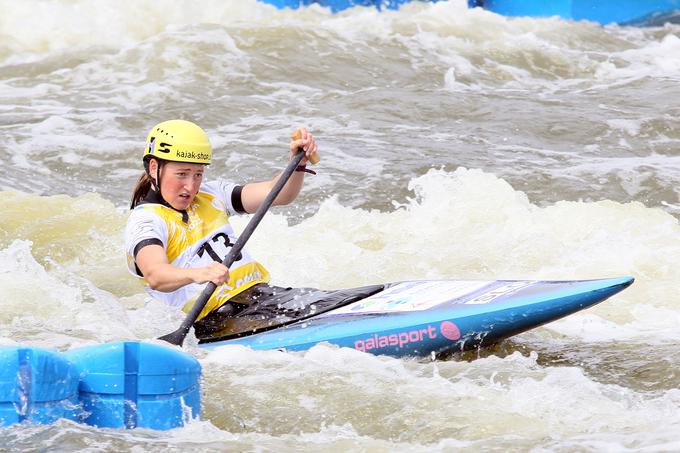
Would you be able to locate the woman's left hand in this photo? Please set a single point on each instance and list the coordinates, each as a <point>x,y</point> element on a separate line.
<point>304,139</point>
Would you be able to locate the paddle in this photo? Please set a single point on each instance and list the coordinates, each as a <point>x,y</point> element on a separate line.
<point>177,337</point>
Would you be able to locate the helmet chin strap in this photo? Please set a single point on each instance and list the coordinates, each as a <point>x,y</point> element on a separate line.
<point>156,183</point>
<point>158,179</point>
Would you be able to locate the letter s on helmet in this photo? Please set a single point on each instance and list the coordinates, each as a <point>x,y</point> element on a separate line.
<point>178,141</point>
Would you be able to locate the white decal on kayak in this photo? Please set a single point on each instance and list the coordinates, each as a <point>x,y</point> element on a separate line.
<point>506,289</point>
<point>414,296</point>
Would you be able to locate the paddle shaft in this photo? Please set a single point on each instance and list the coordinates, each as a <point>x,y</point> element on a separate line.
<point>177,337</point>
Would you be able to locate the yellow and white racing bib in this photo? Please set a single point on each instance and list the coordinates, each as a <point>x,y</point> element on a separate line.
<point>194,239</point>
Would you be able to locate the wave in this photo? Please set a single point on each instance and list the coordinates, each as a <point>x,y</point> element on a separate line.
<point>473,46</point>
<point>465,224</point>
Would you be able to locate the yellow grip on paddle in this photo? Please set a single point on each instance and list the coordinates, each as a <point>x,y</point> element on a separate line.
<point>297,135</point>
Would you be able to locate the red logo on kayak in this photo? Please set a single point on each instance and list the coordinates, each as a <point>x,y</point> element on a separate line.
<point>449,330</point>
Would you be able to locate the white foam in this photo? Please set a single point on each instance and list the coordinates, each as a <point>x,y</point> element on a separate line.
<point>36,27</point>
<point>462,225</point>
<point>655,58</point>
<point>514,396</point>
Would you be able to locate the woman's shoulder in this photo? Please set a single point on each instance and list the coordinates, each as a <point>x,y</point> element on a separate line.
<point>218,187</point>
<point>227,192</point>
<point>146,213</point>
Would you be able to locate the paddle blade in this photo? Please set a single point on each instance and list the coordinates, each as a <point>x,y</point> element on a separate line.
<point>177,337</point>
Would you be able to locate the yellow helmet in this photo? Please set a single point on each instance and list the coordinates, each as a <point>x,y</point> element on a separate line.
<point>178,141</point>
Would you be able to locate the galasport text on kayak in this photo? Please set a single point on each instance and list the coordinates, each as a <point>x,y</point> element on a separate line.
<point>448,330</point>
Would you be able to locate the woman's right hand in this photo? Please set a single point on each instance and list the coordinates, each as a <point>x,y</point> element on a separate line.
<point>215,272</point>
<point>302,138</point>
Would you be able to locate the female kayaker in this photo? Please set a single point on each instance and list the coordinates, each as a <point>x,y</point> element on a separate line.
<point>179,230</point>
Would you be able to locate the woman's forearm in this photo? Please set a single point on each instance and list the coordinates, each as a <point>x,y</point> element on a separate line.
<point>166,278</point>
<point>291,190</point>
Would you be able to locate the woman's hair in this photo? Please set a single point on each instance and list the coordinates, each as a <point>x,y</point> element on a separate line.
<point>144,184</point>
<point>141,189</point>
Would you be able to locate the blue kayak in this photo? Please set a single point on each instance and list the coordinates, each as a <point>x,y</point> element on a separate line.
<point>412,318</point>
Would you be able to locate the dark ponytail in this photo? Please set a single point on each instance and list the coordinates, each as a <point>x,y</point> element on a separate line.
<point>146,183</point>
<point>142,188</point>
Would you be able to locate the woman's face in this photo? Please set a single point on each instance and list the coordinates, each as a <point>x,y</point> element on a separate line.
<point>179,182</point>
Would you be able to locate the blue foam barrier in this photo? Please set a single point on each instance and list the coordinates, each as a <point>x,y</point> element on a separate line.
<point>338,5</point>
<point>602,11</point>
<point>137,385</point>
<point>36,386</point>
<point>636,12</point>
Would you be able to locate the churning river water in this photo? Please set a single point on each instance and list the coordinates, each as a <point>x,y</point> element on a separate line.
<point>455,144</point>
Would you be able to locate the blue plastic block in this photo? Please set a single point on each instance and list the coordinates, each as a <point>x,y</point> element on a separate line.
<point>36,385</point>
<point>602,11</point>
<point>339,5</point>
<point>131,384</point>
<point>623,11</point>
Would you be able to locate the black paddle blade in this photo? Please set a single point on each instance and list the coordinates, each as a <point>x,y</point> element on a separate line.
<point>177,337</point>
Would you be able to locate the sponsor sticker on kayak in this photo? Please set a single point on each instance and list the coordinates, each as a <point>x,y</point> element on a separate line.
<point>408,338</point>
<point>505,289</point>
<point>422,295</point>
<point>414,296</point>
